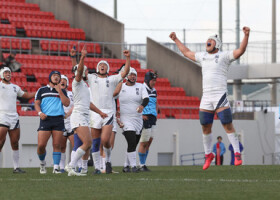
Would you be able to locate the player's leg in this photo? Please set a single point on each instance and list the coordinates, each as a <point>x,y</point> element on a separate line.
<point>144,140</point>
<point>14,138</point>
<point>3,133</point>
<point>130,137</point>
<point>43,137</point>
<point>84,134</point>
<point>96,140</point>
<point>225,117</point>
<point>105,140</point>
<point>77,143</point>
<point>57,137</point>
<point>63,149</point>
<point>206,120</point>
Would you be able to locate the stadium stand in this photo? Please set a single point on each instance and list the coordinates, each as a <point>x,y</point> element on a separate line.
<point>57,36</point>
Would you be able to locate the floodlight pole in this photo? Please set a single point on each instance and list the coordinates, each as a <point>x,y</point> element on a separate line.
<point>273,92</point>
<point>116,9</point>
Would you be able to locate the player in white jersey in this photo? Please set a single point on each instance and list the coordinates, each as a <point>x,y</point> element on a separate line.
<point>80,114</point>
<point>68,133</point>
<point>102,88</point>
<point>215,66</point>
<point>133,98</point>
<point>9,119</point>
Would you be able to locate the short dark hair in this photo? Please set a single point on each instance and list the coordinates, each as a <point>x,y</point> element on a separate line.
<point>219,137</point>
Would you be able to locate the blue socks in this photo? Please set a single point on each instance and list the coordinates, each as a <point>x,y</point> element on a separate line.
<point>56,158</point>
<point>42,156</point>
<point>143,157</point>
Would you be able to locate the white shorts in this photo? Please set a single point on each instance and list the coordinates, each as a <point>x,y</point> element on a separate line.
<point>99,122</point>
<point>10,121</point>
<point>214,101</point>
<point>91,120</point>
<point>79,119</point>
<point>132,124</point>
<point>147,134</point>
<point>67,126</point>
<point>115,124</point>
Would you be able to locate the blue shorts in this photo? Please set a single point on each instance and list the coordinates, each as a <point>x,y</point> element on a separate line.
<point>52,123</point>
<point>150,122</point>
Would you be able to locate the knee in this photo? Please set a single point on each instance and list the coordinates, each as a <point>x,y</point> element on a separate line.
<point>229,128</point>
<point>41,147</point>
<point>14,145</point>
<point>206,129</point>
<point>57,146</point>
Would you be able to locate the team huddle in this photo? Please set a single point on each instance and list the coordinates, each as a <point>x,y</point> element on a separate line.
<point>88,116</point>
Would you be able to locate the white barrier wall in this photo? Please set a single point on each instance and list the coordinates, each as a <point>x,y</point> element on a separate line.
<point>258,138</point>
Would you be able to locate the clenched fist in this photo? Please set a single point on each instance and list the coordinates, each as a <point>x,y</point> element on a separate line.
<point>246,30</point>
<point>126,53</point>
<point>173,36</point>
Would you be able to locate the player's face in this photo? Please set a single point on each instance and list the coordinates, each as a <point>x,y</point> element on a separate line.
<point>63,83</point>
<point>132,77</point>
<point>7,75</point>
<point>153,82</point>
<point>210,44</point>
<point>55,79</point>
<point>102,68</point>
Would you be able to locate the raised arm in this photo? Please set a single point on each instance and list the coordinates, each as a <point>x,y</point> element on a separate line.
<point>240,51</point>
<point>80,69</point>
<point>28,95</point>
<point>118,89</point>
<point>185,51</point>
<point>73,55</point>
<point>124,73</point>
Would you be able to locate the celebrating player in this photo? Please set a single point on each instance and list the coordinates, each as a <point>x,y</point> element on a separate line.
<point>215,66</point>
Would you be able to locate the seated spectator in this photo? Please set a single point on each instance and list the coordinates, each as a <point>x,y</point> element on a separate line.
<point>11,62</point>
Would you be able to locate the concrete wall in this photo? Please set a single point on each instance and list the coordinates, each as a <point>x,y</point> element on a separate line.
<point>97,25</point>
<point>180,71</point>
<point>258,138</point>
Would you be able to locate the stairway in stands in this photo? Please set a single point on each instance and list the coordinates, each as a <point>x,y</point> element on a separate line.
<point>22,21</point>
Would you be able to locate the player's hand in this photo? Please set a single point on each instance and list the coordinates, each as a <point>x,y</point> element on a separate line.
<point>57,87</point>
<point>43,116</point>
<point>126,53</point>
<point>103,115</point>
<point>246,30</point>
<point>145,117</point>
<point>66,115</point>
<point>140,109</point>
<point>173,36</point>
<point>121,125</point>
<point>73,51</point>
<point>84,51</point>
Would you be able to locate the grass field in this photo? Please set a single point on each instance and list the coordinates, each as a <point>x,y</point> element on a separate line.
<point>188,182</point>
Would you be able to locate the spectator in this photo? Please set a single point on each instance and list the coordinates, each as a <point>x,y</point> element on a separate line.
<point>11,62</point>
<point>232,151</point>
<point>222,149</point>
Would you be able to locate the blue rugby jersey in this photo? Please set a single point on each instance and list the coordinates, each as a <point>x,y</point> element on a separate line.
<point>51,104</point>
<point>151,108</point>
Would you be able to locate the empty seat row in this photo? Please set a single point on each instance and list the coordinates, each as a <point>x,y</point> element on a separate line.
<point>172,91</point>
<point>7,30</point>
<point>28,86</point>
<point>13,43</point>
<point>177,101</point>
<point>66,46</point>
<point>19,6</point>
<point>20,22</point>
<point>54,32</point>
<point>5,13</point>
<point>14,1</point>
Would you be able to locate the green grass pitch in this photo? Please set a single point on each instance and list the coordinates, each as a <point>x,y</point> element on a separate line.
<point>184,182</point>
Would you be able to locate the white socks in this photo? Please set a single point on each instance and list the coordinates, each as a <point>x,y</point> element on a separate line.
<point>85,164</point>
<point>107,154</point>
<point>207,143</point>
<point>96,159</point>
<point>132,158</point>
<point>126,161</point>
<point>62,161</point>
<point>16,159</point>
<point>234,141</point>
<point>79,153</point>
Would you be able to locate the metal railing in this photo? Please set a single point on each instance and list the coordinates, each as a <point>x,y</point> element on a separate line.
<point>192,158</point>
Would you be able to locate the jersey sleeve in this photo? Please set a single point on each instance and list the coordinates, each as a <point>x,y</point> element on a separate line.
<point>20,92</point>
<point>38,95</point>
<point>229,58</point>
<point>116,79</point>
<point>144,92</point>
<point>198,56</point>
<point>90,96</point>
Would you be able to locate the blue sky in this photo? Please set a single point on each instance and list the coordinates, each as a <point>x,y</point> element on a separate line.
<point>157,18</point>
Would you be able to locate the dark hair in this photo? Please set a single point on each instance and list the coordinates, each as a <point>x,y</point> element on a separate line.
<point>219,137</point>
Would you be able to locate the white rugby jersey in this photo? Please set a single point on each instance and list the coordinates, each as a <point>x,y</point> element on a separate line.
<point>8,97</point>
<point>130,99</point>
<point>214,70</point>
<point>68,108</point>
<point>81,97</point>
<point>102,90</point>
